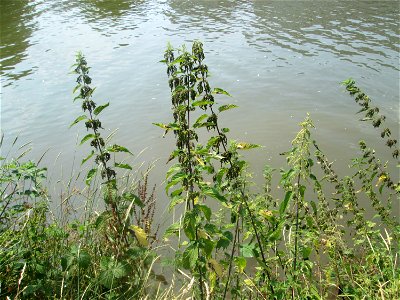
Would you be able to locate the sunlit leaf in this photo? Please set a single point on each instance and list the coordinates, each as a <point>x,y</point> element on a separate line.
<point>87,157</point>
<point>100,108</point>
<point>216,267</point>
<point>87,137</point>
<point>140,235</point>
<point>226,107</point>
<point>90,176</point>
<point>220,91</point>
<point>246,146</point>
<point>77,120</point>
<point>123,166</point>
<point>118,148</point>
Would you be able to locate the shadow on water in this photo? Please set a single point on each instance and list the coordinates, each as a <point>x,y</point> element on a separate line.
<point>17,24</point>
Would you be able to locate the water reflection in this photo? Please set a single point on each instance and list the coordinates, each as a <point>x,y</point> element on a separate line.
<point>111,16</point>
<point>362,33</point>
<point>213,17</point>
<point>17,24</point>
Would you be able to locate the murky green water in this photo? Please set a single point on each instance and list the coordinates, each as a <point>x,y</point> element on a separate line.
<point>279,60</point>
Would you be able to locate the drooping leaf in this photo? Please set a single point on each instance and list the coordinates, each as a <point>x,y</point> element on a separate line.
<point>172,229</point>
<point>90,176</point>
<point>202,103</point>
<point>123,166</point>
<point>140,235</point>
<point>220,91</point>
<point>77,120</point>
<point>178,177</point>
<point>190,256</point>
<point>226,107</point>
<point>87,137</point>
<point>206,210</point>
<point>118,148</point>
<point>284,204</point>
<point>246,146</point>
<point>100,108</point>
<point>189,225</point>
<point>216,267</point>
<point>87,157</point>
<point>213,193</point>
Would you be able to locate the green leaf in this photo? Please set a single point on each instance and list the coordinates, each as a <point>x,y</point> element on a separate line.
<point>77,120</point>
<point>306,252</point>
<point>87,157</point>
<point>173,169</point>
<point>284,204</point>
<point>213,193</point>
<point>246,146</point>
<point>123,166</point>
<point>112,270</point>
<point>162,125</point>
<point>190,256</point>
<point>226,107</point>
<point>140,235</point>
<point>118,148</point>
<point>178,177</point>
<point>202,103</point>
<point>240,263</point>
<point>90,176</point>
<point>199,119</point>
<point>172,229</point>
<point>247,250</point>
<point>206,210</point>
<point>87,137</point>
<point>175,201</point>
<point>220,91</point>
<point>100,108</point>
<point>189,225</point>
<point>84,259</point>
<point>132,197</point>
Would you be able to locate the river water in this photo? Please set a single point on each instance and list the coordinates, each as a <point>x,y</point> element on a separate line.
<point>278,59</point>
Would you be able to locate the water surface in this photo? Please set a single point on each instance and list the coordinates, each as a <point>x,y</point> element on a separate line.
<point>278,59</point>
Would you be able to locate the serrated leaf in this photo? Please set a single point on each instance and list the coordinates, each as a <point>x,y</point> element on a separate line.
<point>213,193</point>
<point>172,229</point>
<point>206,210</point>
<point>175,179</point>
<point>226,107</point>
<point>140,235</point>
<point>202,103</point>
<point>216,267</point>
<point>100,108</point>
<point>241,263</point>
<point>246,146</point>
<point>118,148</point>
<point>220,91</point>
<point>112,270</point>
<point>162,125</point>
<point>77,120</point>
<point>87,157</point>
<point>87,137</point>
<point>123,166</point>
<point>284,204</point>
<point>84,259</point>
<point>90,176</point>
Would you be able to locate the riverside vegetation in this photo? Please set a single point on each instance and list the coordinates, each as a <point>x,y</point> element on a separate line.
<point>312,241</point>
